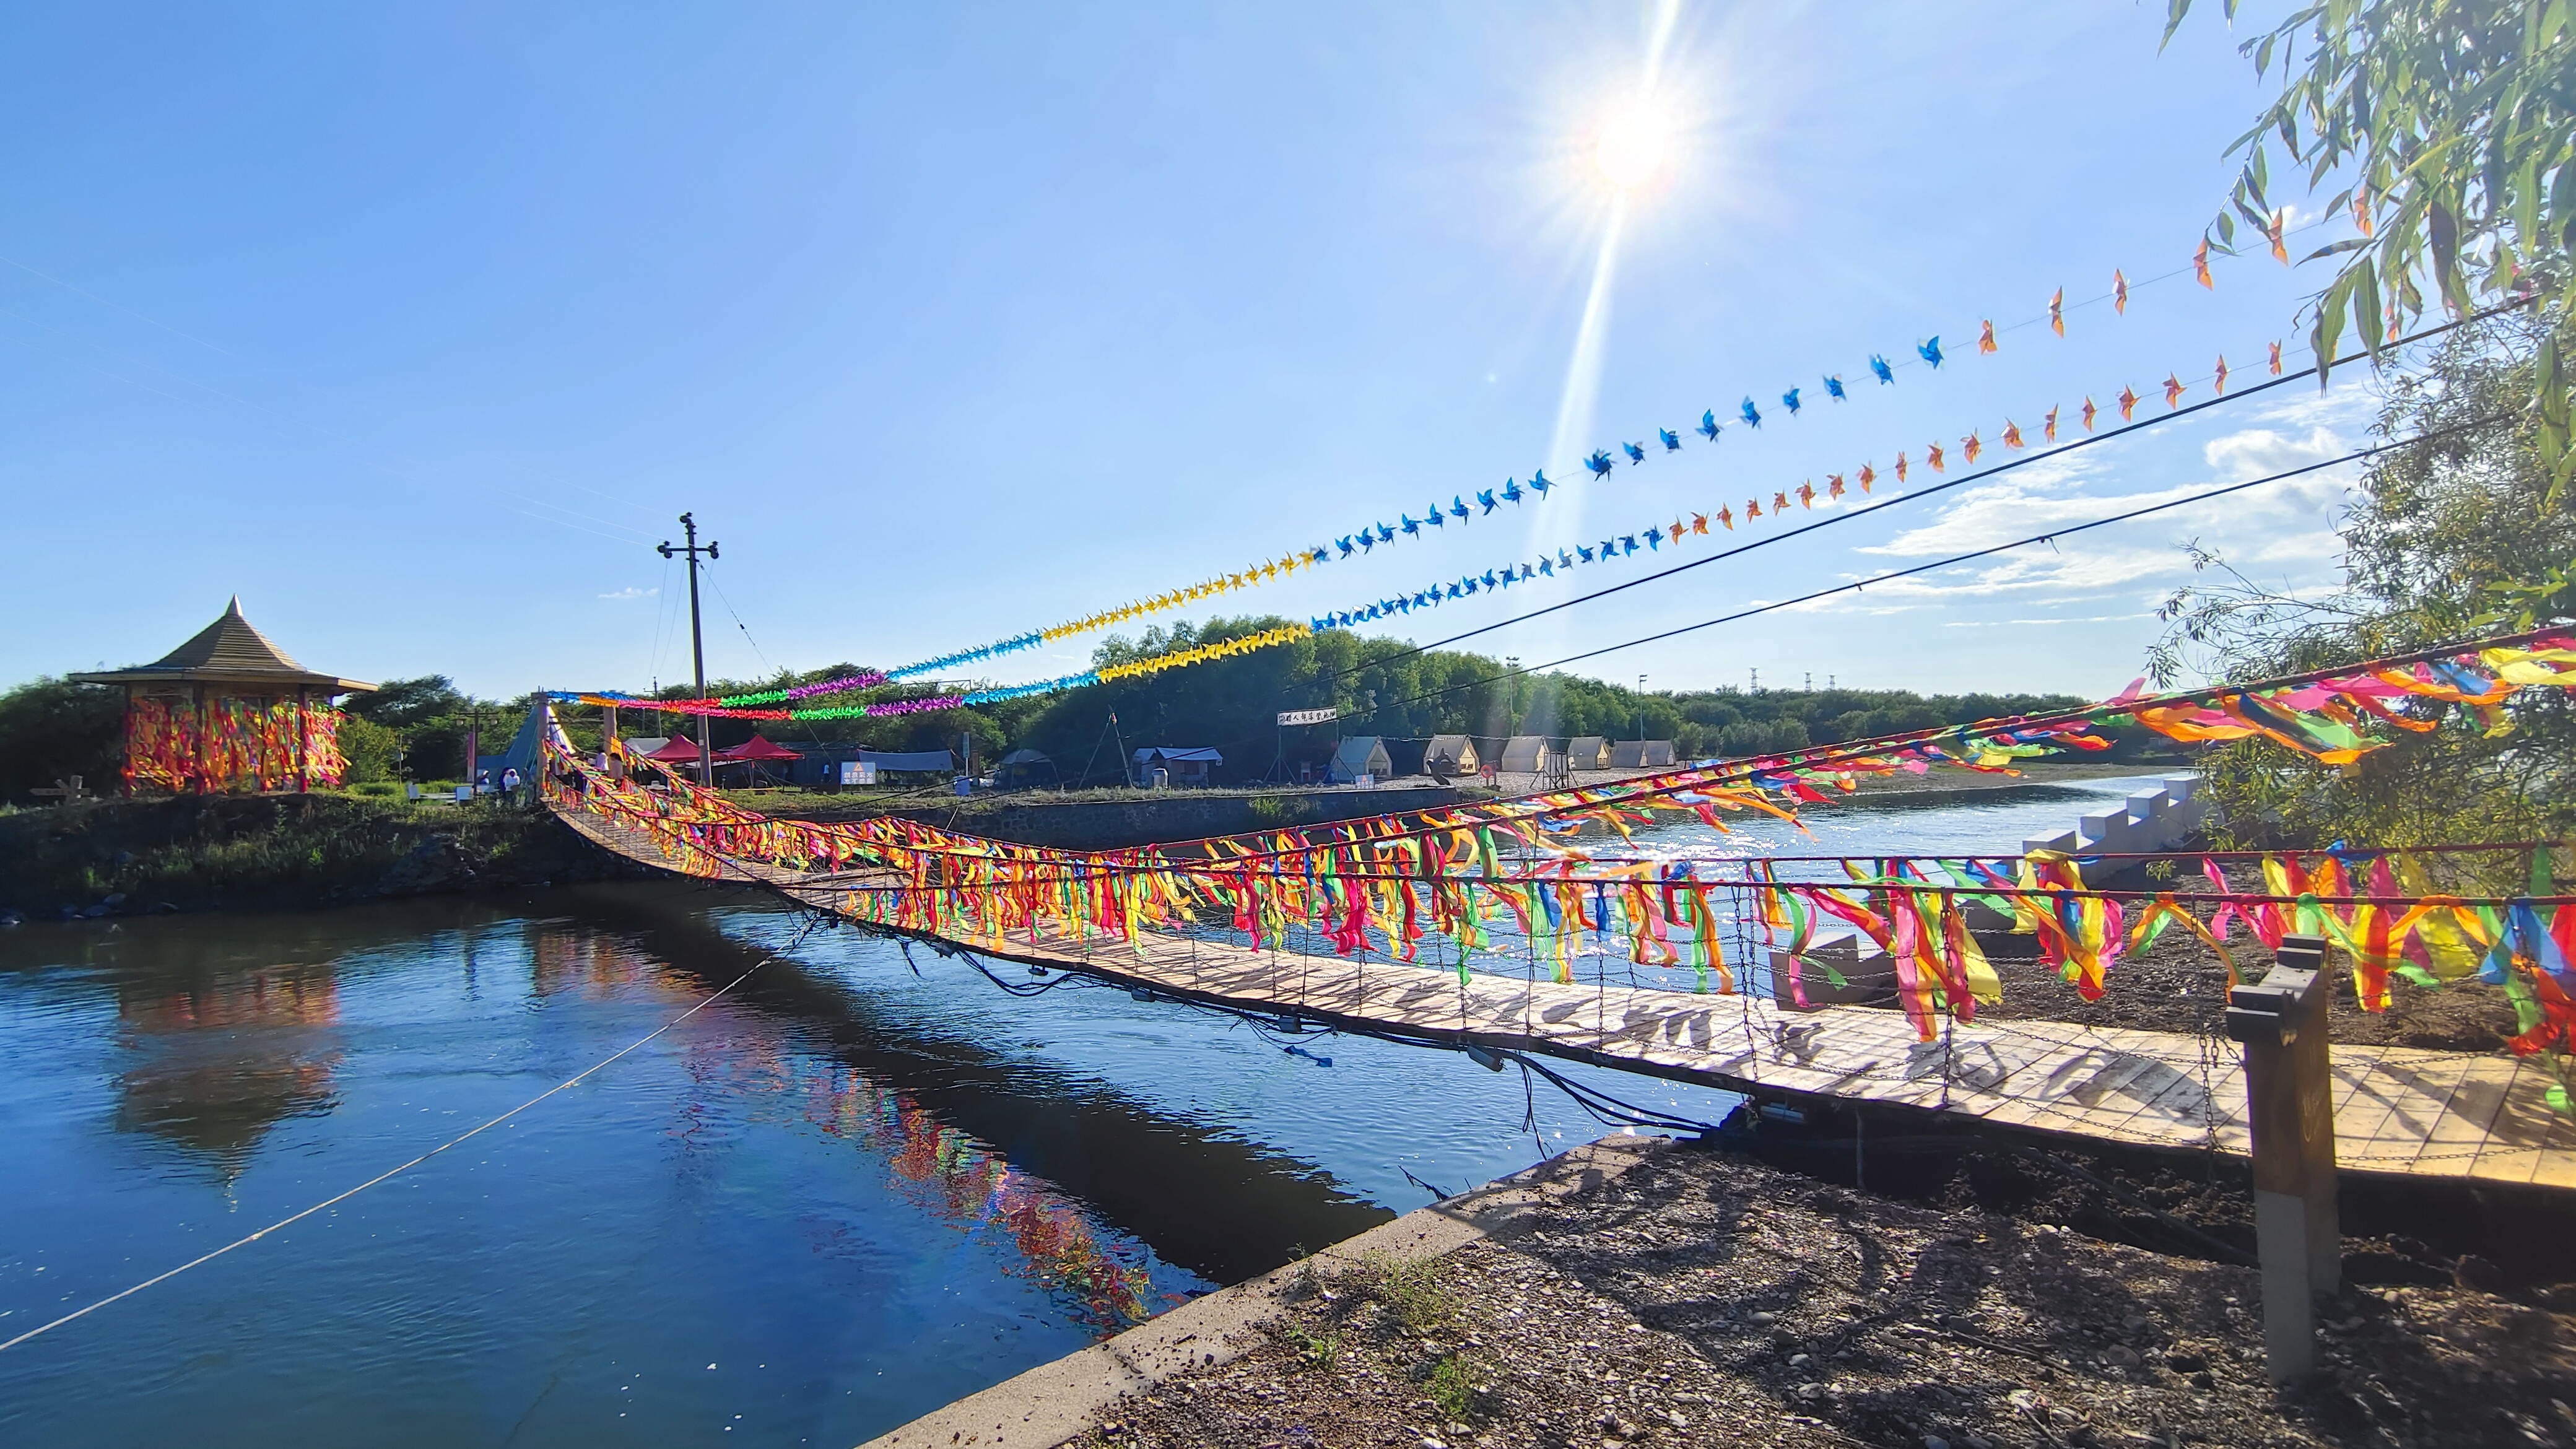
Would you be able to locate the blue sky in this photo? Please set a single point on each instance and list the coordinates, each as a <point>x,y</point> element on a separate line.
<point>416,325</point>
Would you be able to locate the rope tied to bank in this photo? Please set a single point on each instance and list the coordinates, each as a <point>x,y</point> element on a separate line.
<point>566,1084</point>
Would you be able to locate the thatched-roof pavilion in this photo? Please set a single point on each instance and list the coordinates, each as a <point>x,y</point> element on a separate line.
<point>228,710</point>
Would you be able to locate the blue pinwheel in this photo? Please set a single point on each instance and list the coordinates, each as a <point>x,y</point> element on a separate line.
<point>1708,426</point>
<point>1538,480</point>
<point>1654,538</point>
<point>1469,583</point>
<point>1609,548</point>
<point>1547,566</point>
<point>1411,525</point>
<point>1487,499</point>
<point>1834,389</point>
<point>1672,440</point>
<point>1587,553</point>
<point>1751,417</point>
<point>1636,454</point>
<point>1453,591</point>
<point>1929,351</point>
<point>1458,508</point>
<point>1564,560</point>
<point>1385,534</point>
<point>1527,572</point>
<point>1368,540</point>
<point>1878,365</point>
<point>1344,544</point>
<point>1599,463</point>
<point>1435,519</point>
<point>1507,576</point>
<point>1630,542</point>
<point>1789,400</point>
<point>1511,490</point>
<point>1489,578</point>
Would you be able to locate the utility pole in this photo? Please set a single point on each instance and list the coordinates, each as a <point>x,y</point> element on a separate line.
<point>1641,707</point>
<point>697,639</point>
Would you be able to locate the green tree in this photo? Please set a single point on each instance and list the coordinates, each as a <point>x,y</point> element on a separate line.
<point>51,729</point>
<point>2441,543</point>
<point>2450,126</point>
<point>369,750</point>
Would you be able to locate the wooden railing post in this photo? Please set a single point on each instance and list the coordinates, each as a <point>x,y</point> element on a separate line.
<point>2289,1099</point>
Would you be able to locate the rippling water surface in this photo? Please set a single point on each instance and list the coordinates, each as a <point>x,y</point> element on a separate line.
<point>850,1190</point>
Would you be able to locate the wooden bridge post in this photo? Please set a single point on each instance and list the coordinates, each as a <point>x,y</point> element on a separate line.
<point>2289,1100</point>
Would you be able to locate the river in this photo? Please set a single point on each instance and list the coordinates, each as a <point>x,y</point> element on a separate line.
<point>855,1186</point>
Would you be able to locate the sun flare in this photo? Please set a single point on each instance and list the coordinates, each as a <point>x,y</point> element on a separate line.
<point>1632,145</point>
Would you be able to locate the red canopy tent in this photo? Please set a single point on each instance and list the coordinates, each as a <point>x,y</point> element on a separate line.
<point>679,750</point>
<point>753,750</point>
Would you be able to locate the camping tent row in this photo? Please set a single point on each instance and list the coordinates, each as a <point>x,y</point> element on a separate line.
<point>1529,755</point>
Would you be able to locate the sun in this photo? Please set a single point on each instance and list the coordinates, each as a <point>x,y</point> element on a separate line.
<point>1632,145</point>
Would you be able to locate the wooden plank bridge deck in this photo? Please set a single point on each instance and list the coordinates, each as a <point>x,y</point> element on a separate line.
<point>2398,1110</point>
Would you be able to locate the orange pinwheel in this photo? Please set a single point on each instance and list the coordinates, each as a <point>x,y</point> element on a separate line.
<point>1869,475</point>
<point>2057,312</point>
<point>2128,403</point>
<point>1676,530</point>
<point>1807,494</point>
<point>2173,390</point>
<point>2276,359</point>
<point>1833,485</point>
<point>2012,434</point>
<point>2119,292</point>
<point>2280,243</point>
<point>2200,265</point>
<point>2222,374</point>
<point>2048,429</point>
<point>1986,339</point>
<point>1971,446</point>
<point>1726,516</point>
<point>2361,210</point>
<point>1753,508</point>
<point>1934,458</point>
<point>2089,411</point>
<point>1779,502</point>
<point>1699,523</point>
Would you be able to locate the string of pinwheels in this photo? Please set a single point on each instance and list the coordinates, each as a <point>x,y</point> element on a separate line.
<point>1836,387</point>
<point>1657,532</point>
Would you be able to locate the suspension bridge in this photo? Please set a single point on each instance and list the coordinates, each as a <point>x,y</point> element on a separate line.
<point>2398,1111</point>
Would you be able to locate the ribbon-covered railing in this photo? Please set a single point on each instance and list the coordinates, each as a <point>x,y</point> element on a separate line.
<point>1496,904</point>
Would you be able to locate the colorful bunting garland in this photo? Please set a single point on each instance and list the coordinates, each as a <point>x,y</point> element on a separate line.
<point>1687,523</point>
<point>1600,462</point>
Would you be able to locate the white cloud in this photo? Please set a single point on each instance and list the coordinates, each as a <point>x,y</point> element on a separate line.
<point>2031,623</point>
<point>2258,452</point>
<point>630,594</point>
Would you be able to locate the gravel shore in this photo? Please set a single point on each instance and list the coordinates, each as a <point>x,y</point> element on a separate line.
<point>1706,1299</point>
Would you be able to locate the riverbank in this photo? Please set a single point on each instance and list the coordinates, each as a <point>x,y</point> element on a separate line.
<point>1641,1292</point>
<point>116,857</point>
<point>126,857</point>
